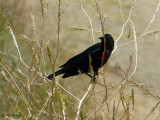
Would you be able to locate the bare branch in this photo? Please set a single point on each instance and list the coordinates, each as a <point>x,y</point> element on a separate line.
<point>80,103</point>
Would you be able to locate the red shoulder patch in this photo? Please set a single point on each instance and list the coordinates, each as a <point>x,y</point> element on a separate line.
<point>102,57</point>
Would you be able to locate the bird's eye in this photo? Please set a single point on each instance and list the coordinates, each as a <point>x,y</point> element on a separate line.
<point>107,51</point>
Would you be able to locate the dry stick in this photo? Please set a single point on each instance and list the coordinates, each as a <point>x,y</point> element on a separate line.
<point>42,32</point>
<point>153,18</point>
<point>57,51</point>
<point>44,112</point>
<point>94,102</point>
<point>90,21</point>
<point>113,52</point>
<point>156,114</point>
<point>102,28</point>
<point>67,91</point>
<point>122,31</point>
<point>80,103</point>
<point>34,28</point>
<point>8,91</point>
<point>43,106</point>
<point>120,6</point>
<point>92,94</point>
<point>151,32</point>
<point>71,3</point>
<point>16,45</point>
<point>145,89</point>
<point>35,32</point>
<point>62,88</point>
<point>58,33</point>
<point>93,99</point>
<point>152,110</point>
<point>136,48</point>
<point>18,89</point>
<point>30,115</point>
<point>84,29</point>
<point>144,33</point>
<point>9,55</point>
<point>3,15</point>
<point>142,87</point>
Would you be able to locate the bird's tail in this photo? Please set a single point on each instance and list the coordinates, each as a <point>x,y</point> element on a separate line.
<point>56,74</point>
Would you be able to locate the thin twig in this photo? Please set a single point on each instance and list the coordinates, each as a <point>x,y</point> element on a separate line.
<point>123,27</point>
<point>90,21</point>
<point>80,103</point>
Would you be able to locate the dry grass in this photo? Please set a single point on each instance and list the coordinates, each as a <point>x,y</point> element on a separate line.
<point>38,36</point>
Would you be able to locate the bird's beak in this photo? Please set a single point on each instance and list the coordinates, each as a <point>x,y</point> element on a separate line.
<point>100,38</point>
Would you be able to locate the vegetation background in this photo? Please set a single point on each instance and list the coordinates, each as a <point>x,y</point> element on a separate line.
<point>127,86</point>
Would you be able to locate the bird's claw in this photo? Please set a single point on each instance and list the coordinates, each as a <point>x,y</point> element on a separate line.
<point>93,79</point>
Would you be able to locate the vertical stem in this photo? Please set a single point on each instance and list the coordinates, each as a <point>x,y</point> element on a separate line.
<point>102,28</point>
<point>58,33</point>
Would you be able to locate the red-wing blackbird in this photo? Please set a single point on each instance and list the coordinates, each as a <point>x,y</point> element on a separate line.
<point>92,56</point>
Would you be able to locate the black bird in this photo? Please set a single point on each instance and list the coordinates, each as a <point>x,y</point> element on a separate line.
<point>89,60</point>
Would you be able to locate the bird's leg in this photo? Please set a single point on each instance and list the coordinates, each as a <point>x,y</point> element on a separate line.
<point>88,74</point>
<point>93,77</point>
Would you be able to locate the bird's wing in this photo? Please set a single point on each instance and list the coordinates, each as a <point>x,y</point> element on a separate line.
<point>73,59</point>
<point>90,49</point>
<point>93,47</point>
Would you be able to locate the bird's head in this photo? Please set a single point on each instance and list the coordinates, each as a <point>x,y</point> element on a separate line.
<point>109,40</point>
